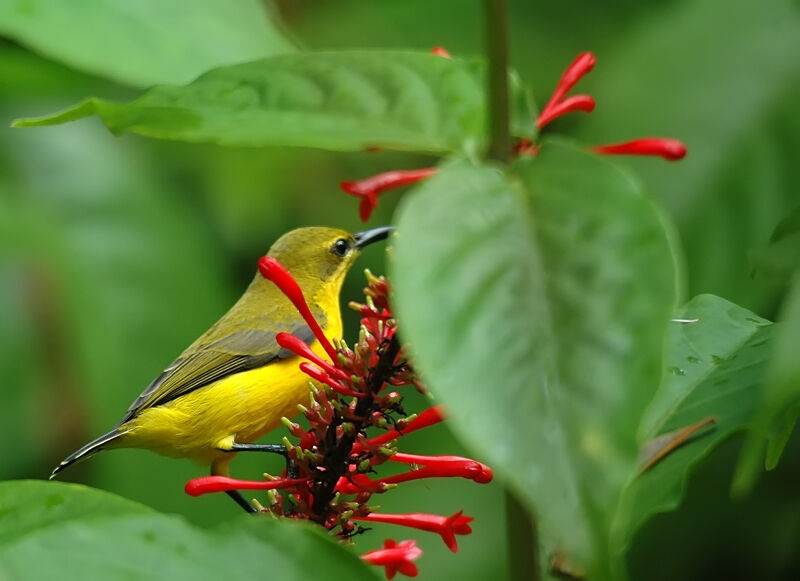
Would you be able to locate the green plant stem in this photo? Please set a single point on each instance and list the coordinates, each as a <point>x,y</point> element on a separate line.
<point>496,20</point>
<point>521,530</point>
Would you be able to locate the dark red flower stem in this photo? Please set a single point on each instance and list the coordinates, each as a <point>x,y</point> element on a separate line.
<point>335,458</point>
<point>274,271</point>
<point>669,149</point>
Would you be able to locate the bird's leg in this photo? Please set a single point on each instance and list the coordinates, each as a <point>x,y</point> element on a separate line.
<point>291,468</point>
<point>273,448</point>
<point>241,501</point>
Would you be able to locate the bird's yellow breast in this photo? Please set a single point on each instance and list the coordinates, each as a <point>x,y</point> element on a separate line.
<point>240,408</point>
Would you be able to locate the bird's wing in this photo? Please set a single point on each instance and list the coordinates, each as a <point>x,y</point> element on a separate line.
<point>205,364</point>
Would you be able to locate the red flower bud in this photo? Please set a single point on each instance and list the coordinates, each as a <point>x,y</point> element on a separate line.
<point>429,417</point>
<point>274,271</point>
<point>369,188</point>
<point>575,103</point>
<point>433,467</point>
<point>396,557</point>
<point>316,373</point>
<point>206,484</point>
<point>296,345</point>
<point>670,149</point>
<point>441,51</point>
<point>557,105</point>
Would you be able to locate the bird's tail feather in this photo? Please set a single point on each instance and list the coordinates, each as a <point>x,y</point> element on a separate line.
<point>87,450</point>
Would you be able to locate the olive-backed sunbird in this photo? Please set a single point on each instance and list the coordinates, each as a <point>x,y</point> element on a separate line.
<point>234,383</point>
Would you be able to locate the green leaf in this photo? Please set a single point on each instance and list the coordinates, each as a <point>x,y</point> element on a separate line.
<point>780,403</point>
<point>781,258</point>
<point>28,506</point>
<point>536,305</point>
<point>715,368</point>
<point>335,100</point>
<point>88,534</point>
<point>144,42</point>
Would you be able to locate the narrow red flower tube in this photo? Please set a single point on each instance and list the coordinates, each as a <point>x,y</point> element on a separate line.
<point>368,189</point>
<point>669,149</point>
<point>395,557</point>
<point>434,467</point>
<point>429,417</point>
<point>445,526</point>
<point>321,376</point>
<point>296,345</point>
<point>575,103</point>
<point>274,271</point>
<point>582,64</point>
<point>466,467</point>
<point>209,484</point>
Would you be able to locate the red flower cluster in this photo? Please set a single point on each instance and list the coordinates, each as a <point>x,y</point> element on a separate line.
<point>327,481</point>
<point>558,105</point>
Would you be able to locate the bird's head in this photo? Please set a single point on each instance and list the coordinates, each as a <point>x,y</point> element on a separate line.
<point>321,255</point>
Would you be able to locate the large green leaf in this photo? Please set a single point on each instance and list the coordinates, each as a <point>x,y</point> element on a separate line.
<point>144,42</point>
<point>335,100</point>
<point>537,305</point>
<point>87,534</point>
<point>715,368</point>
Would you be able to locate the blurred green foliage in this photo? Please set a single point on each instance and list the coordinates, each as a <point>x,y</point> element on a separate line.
<point>116,253</point>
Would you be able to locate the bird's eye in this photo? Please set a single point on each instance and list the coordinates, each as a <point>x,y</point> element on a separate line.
<point>340,247</point>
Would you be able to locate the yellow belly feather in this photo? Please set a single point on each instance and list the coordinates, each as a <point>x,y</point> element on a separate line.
<point>241,408</point>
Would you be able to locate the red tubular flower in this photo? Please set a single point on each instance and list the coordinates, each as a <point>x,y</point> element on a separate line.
<point>396,557</point>
<point>433,467</point>
<point>322,376</point>
<point>368,189</point>
<point>296,345</point>
<point>207,484</point>
<point>670,149</point>
<point>274,271</point>
<point>445,526</point>
<point>429,417</point>
<point>460,466</point>
<point>575,103</point>
<point>557,105</point>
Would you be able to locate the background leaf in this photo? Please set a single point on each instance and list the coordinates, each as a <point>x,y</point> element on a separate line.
<point>91,534</point>
<point>730,96</point>
<point>145,42</point>
<point>781,258</point>
<point>538,317</point>
<point>780,402</point>
<point>340,101</point>
<point>715,368</point>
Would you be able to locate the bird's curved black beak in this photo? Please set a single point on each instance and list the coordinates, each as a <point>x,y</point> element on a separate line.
<point>367,237</point>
